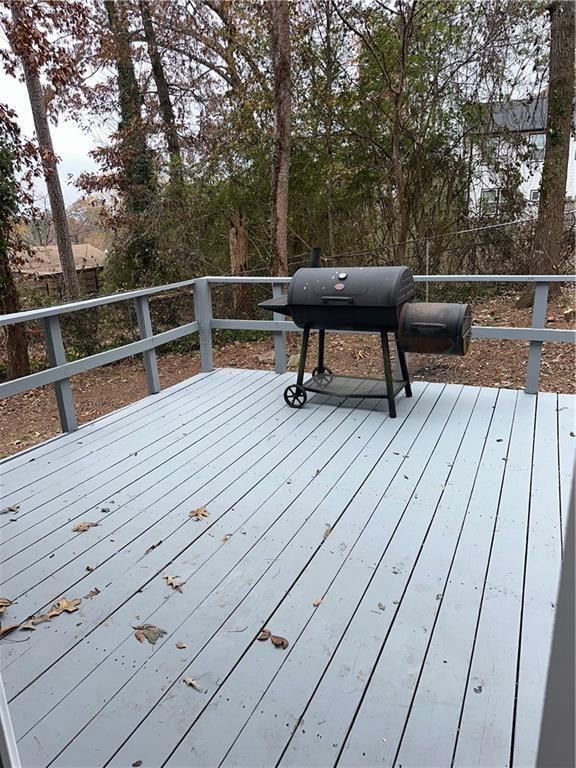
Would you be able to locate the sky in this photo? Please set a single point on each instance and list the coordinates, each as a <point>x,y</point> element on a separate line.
<point>71,144</point>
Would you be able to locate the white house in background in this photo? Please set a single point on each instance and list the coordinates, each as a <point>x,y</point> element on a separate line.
<point>516,131</point>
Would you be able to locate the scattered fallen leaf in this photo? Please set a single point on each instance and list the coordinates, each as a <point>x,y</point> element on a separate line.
<point>10,628</point>
<point>148,632</point>
<point>137,764</point>
<point>327,532</point>
<point>317,473</point>
<point>193,684</point>
<point>316,602</point>
<point>90,568</point>
<point>83,527</point>
<point>478,689</point>
<point>381,606</point>
<point>279,642</point>
<point>64,605</point>
<point>265,634</point>
<point>105,510</point>
<point>227,537</point>
<point>199,513</point>
<point>92,593</point>
<point>180,645</point>
<point>4,603</point>
<point>10,510</point>
<point>153,547</point>
<point>33,620</point>
<point>172,582</point>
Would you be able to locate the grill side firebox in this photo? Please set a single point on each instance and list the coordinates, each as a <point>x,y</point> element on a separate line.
<point>376,299</point>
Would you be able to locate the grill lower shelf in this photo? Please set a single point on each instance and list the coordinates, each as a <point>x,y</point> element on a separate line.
<point>350,386</point>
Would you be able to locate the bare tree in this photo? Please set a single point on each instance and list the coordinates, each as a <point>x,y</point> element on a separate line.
<point>238,242</point>
<point>550,224</point>
<point>18,38</point>
<point>280,44</point>
<point>165,104</point>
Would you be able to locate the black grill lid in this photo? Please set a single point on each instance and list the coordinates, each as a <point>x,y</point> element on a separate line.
<point>361,286</point>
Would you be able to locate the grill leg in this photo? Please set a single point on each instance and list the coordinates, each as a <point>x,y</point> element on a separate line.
<point>321,338</point>
<point>303,354</point>
<point>404,368</point>
<point>388,375</point>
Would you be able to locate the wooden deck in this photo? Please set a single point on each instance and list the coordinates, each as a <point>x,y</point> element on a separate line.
<point>437,580</point>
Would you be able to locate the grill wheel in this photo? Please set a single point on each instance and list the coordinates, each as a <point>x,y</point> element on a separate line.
<point>295,396</point>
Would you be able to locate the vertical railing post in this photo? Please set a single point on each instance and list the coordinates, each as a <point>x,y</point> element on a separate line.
<point>427,251</point>
<point>279,336</point>
<point>535,353</point>
<point>62,389</point>
<point>149,357</point>
<point>9,757</point>
<point>203,308</point>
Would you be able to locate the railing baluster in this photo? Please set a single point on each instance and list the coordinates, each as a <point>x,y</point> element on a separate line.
<point>279,336</point>
<point>62,389</point>
<point>149,357</point>
<point>203,307</point>
<point>535,353</point>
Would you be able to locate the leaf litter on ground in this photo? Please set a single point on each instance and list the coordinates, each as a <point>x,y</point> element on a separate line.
<point>83,527</point>
<point>172,582</point>
<point>193,684</point>
<point>198,514</point>
<point>148,632</point>
<point>10,510</point>
<point>265,634</point>
<point>4,603</point>
<point>279,642</point>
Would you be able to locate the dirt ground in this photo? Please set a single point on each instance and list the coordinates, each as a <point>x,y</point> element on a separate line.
<point>30,418</point>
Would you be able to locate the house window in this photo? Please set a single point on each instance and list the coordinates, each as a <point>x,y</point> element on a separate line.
<point>534,195</point>
<point>489,201</point>
<point>537,142</point>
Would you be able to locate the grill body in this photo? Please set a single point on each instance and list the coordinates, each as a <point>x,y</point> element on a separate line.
<point>350,298</point>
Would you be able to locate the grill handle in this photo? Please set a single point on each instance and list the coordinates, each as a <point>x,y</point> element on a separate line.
<point>338,299</point>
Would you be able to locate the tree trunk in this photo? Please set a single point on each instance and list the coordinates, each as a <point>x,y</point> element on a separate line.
<point>400,184</point>
<point>165,104</point>
<point>239,260</point>
<point>329,64</point>
<point>138,180</point>
<point>16,338</point>
<point>50,168</point>
<point>280,46</point>
<point>550,223</point>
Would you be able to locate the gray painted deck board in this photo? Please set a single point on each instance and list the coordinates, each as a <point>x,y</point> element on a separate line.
<point>438,578</point>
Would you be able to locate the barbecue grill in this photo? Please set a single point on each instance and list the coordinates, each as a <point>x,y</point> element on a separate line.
<point>376,299</point>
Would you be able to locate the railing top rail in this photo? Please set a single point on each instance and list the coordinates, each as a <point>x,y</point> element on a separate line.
<point>99,301</point>
<point>215,279</point>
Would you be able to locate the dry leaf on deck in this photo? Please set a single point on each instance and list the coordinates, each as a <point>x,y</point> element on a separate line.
<point>316,602</point>
<point>83,527</point>
<point>148,632</point>
<point>33,620</point>
<point>4,603</point>
<point>279,642</point>
<point>137,764</point>
<point>193,684</point>
<point>180,645</point>
<point>10,510</point>
<point>90,568</point>
<point>227,537</point>
<point>265,634</point>
<point>153,547</point>
<point>64,605</point>
<point>92,593</point>
<point>327,532</point>
<point>171,581</point>
<point>381,606</point>
<point>8,629</point>
<point>199,513</point>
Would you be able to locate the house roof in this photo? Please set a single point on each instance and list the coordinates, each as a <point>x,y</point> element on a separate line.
<point>45,260</point>
<point>518,116</point>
